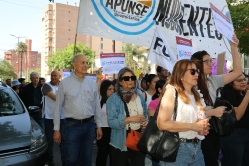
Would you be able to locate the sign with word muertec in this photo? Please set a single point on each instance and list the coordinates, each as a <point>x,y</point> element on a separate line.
<point>135,21</point>
<point>222,23</point>
<point>111,63</point>
<point>160,52</point>
<point>184,48</point>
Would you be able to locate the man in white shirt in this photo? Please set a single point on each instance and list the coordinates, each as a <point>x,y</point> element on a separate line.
<point>79,96</point>
<point>49,91</point>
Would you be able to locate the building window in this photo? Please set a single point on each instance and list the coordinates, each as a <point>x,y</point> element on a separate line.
<point>68,20</point>
<point>101,46</point>
<point>113,47</point>
<point>68,38</point>
<point>101,39</point>
<point>68,11</point>
<point>68,29</point>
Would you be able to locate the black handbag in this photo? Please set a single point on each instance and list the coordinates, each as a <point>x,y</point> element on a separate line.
<point>225,125</point>
<point>161,145</point>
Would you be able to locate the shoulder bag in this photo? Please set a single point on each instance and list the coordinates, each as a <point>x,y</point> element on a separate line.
<point>225,125</point>
<point>133,136</point>
<point>161,145</point>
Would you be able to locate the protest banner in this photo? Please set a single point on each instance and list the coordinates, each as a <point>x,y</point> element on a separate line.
<point>135,21</point>
<point>112,62</point>
<point>184,48</point>
<point>66,73</point>
<point>160,52</point>
<point>222,23</point>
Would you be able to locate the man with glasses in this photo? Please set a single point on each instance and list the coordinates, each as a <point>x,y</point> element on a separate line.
<point>79,96</point>
<point>162,73</point>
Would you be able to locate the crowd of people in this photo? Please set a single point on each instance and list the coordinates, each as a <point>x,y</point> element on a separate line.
<point>76,110</point>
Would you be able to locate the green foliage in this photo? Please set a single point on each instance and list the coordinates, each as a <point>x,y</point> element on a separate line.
<point>6,70</point>
<point>62,59</point>
<point>240,16</point>
<point>133,56</point>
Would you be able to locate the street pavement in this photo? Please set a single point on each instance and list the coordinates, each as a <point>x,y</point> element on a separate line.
<point>57,157</point>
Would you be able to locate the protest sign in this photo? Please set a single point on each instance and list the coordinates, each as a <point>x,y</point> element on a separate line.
<point>222,23</point>
<point>112,62</point>
<point>66,73</point>
<point>135,21</point>
<point>184,48</point>
<point>160,52</point>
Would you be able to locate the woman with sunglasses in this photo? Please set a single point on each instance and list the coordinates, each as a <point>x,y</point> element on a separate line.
<point>106,90</point>
<point>183,80</point>
<point>207,85</point>
<point>235,147</point>
<point>126,95</point>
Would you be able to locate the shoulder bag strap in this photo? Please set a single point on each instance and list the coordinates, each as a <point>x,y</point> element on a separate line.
<point>175,106</point>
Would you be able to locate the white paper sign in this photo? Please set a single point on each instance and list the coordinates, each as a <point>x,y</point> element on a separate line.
<point>222,23</point>
<point>184,48</point>
<point>160,52</point>
<point>112,62</point>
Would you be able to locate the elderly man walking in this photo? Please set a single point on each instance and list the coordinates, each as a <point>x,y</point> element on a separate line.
<point>79,96</point>
<point>31,95</point>
<point>49,90</point>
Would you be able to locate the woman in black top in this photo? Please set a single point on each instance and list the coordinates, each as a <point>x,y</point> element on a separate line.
<point>235,147</point>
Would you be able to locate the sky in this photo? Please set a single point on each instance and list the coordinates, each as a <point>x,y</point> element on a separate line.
<point>22,18</point>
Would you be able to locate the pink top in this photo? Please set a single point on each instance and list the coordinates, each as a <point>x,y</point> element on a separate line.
<point>153,104</point>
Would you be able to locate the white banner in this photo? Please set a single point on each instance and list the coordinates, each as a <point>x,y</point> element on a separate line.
<point>184,48</point>
<point>222,23</point>
<point>160,52</point>
<point>112,62</point>
<point>135,21</point>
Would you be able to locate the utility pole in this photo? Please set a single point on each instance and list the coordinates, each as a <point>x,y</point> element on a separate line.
<point>18,37</point>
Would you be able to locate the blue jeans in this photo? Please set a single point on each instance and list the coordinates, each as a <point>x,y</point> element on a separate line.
<point>79,142</point>
<point>188,154</point>
<point>49,132</point>
<point>38,119</point>
<point>235,148</point>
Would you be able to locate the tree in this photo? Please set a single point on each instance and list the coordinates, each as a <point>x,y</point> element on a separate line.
<point>62,59</point>
<point>134,57</point>
<point>6,70</point>
<point>240,17</point>
<point>21,49</point>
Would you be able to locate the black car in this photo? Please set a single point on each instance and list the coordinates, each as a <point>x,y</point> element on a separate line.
<point>22,141</point>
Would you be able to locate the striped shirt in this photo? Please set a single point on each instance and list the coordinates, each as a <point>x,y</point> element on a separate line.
<point>79,98</point>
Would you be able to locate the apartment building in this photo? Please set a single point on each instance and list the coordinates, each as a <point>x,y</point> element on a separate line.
<point>59,22</point>
<point>31,60</point>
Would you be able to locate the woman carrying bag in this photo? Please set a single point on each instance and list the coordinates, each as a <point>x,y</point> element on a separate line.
<point>183,80</point>
<point>126,112</point>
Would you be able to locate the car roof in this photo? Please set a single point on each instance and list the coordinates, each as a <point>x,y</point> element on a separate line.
<point>3,85</point>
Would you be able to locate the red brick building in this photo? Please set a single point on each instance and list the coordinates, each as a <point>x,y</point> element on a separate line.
<point>31,61</point>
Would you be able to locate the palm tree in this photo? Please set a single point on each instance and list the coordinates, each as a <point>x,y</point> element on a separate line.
<point>133,54</point>
<point>21,49</point>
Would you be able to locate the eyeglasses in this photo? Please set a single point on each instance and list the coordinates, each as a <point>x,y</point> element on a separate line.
<point>193,71</point>
<point>209,62</point>
<point>242,79</point>
<point>127,78</point>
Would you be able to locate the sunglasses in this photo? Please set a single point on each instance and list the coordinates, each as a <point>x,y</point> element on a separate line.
<point>193,71</point>
<point>242,79</point>
<point>127,78</point>
<point>209,62</point>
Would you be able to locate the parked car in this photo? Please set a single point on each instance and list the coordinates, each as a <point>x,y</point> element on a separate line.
<point>22,141</point>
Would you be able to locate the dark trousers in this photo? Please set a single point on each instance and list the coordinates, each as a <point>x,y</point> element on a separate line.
<point>38,119</point>
<point>49,132</point>
<point>79,143</point>
<point>210,147</point>
<point>123,158</point>
<point>103,147</point>
<point>235,148</point>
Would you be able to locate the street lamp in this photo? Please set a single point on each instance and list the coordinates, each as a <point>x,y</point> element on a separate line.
<point>18,37</point>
